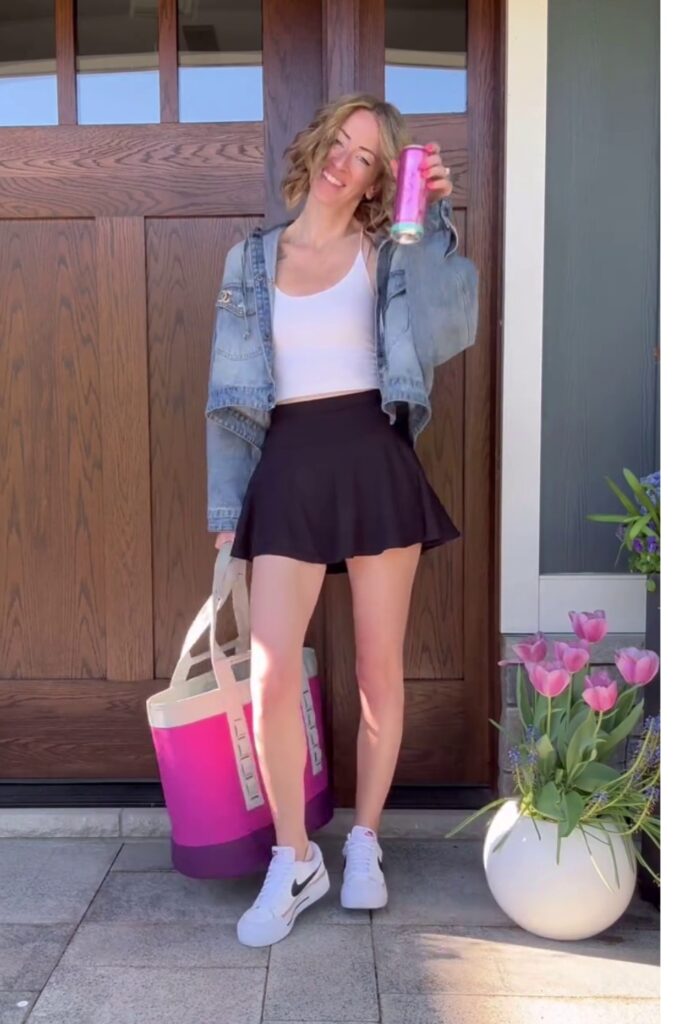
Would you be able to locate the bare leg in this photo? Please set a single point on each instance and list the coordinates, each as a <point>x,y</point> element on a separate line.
<point>381,587</point>
<point>283,596</point>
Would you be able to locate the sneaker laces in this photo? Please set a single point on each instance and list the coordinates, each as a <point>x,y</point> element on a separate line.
<point>360,857</point>
<point>278,869</point>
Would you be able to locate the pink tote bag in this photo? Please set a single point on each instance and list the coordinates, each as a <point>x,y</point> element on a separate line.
<point>201,725</point>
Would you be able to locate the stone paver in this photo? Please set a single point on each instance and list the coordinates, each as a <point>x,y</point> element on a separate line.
<point>437,882</point>
<point>29,952</point>
<point>140,995</point>
<point>15,1005</point>
<point>105,931</point>
<point>325,972</point>
<point>51,881</point>
<point>169,944</point>
<point>144,855</point>
<point>163,896</point>
<point>496,961</point>
<point>449,1008</point>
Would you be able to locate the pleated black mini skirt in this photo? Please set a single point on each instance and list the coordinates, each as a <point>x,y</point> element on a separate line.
<point>336,479</point>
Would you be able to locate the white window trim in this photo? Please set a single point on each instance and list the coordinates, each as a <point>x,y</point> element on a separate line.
<point>528,600</point>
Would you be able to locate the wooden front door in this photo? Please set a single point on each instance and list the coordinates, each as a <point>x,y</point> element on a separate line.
<point>113,238</point>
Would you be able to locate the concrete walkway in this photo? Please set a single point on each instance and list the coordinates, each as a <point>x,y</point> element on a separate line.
<point>104,931</point>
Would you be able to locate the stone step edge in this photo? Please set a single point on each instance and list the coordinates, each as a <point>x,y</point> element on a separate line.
<point>154,823</point>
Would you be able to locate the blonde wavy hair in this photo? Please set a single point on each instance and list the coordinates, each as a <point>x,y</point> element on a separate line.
<point>307,153</point>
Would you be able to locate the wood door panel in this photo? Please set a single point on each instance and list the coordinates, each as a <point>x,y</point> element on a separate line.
<point>122,327</point>
<point>56,728</point>
<point>434,636</point>
<point>52,579</point>
<point>185,260</point>
<point>292,85</point>
<point>164,170</point>
<point>436,746</point>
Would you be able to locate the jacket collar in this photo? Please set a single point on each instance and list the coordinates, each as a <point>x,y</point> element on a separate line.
<point>270,239</point>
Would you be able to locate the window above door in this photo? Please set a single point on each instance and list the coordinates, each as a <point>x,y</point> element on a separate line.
<point>28,64</point>
<point>220,58</point>
<point>426,56</point>
<point>130,61</point>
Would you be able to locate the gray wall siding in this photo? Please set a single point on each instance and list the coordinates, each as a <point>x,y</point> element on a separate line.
<point>600,406</point>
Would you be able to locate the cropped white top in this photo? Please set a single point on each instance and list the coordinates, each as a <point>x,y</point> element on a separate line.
<point>325,342</point>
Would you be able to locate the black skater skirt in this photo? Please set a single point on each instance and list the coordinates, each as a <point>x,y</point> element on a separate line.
<point>336,479</point>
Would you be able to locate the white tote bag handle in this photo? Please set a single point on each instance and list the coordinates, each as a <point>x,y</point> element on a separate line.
<point>227,572</point>
<point>229,577</point>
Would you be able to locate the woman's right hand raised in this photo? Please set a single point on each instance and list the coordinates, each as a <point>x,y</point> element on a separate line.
<point>224,538</point>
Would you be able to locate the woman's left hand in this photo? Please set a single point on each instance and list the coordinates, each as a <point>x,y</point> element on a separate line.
<point>439,184</point>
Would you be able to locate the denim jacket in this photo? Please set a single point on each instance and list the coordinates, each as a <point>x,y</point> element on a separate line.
<point>425,313</point>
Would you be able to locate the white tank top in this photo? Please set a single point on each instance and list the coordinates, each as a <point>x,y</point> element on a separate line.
<point>325,342</point>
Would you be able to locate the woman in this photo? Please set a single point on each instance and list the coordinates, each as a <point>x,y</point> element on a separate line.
<point>323,353</point>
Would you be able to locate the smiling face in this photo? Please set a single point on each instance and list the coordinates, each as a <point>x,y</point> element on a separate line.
<point>353,162</point>
<point>345,155</point>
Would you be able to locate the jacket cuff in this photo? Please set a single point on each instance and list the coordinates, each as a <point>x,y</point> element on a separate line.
<point>219,520</point>
<point>440,218</point>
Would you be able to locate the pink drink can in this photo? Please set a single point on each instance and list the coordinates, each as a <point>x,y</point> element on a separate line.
<point>410,204</point>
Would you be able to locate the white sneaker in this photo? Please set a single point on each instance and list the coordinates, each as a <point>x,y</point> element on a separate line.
<point>363,887</point>
<point>289,887</point>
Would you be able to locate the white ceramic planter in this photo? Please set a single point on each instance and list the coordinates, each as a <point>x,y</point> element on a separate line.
<point>568,900</point>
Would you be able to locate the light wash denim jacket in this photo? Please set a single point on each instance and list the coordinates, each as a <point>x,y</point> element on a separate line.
<point>425,313</point>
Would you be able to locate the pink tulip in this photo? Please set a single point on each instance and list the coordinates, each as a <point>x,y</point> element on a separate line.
<point>590,626</point>
<point>550,678</point>
<point>574,656</point>
<point>532,652</point>
<point>638,667</point>
<point>601,691</point>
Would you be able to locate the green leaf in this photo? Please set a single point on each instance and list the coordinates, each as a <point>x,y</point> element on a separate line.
<point>572,809</point>
<point>477,814</point>
<point>626,502</point>
<point>561,747</point>
<point>621,731</point>
<point>638,526</point>
<point>578,707</point>
<point>580,742</point>
<point>580,711</point>
<point>549,802</point>
<point>641,494</point>
<point>623,708</point>
<point>594,776</point>
<point>544,746</point>
<point>523,703</point>
<point>600,517</point>
<point>577,684</point>
<point>541,713</point>
<point>546,754</point>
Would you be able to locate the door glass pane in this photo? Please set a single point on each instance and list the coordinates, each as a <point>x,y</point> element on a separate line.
<point>220,77</point>
<point>426,56</point>
<point>117,61</point>
<point>28,69</point>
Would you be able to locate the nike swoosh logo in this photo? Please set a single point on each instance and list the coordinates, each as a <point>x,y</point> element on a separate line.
<point>298,887</point>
